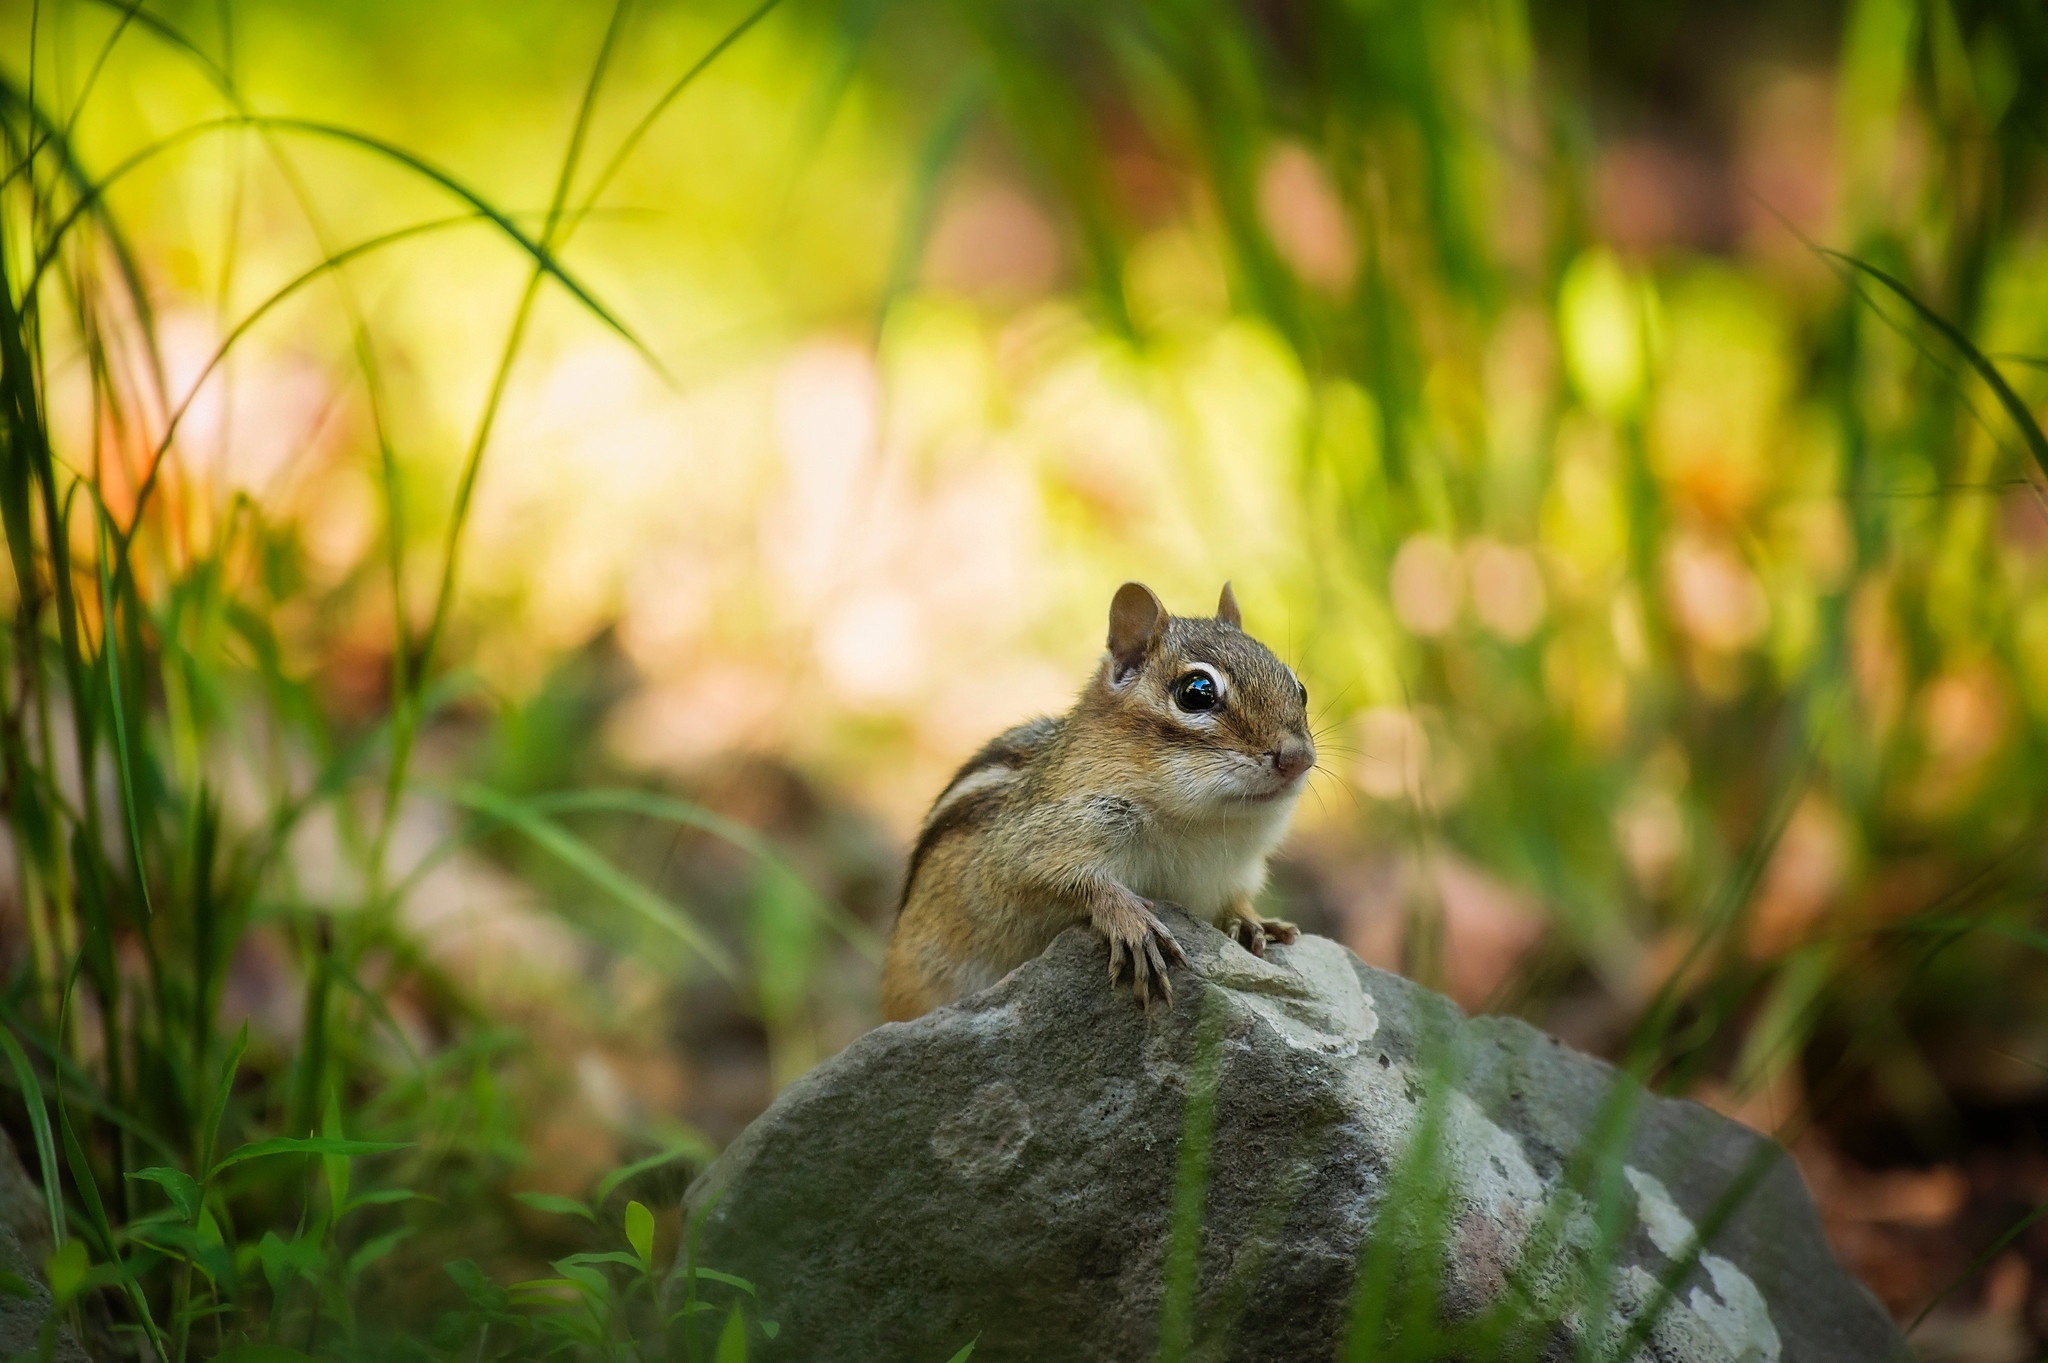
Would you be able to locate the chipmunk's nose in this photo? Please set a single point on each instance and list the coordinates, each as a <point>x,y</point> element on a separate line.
<point>1292,759</point>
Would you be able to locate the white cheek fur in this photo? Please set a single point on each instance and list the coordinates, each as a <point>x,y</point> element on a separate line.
<point>1205,779</point>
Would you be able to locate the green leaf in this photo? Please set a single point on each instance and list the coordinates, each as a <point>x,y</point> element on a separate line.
<point>730,1280</point>
<point>587,1279</point>
<point>201,1248</point>
<point>385,1197</point>
<point>611,1181</point>
<point>474,1282</point>
<point>640,1232</point>
<point>304,1145</point>
<point>557,1204</point>
<point>65,1270</point>
<point>179,1186</point>
<point>608,1256</point>
<point>373,1250</point>
<point>732,1340</point>
<point>284,1260</point>
<point>14,1285</point>
<point>966,1351</point>
<point>541,1286</point>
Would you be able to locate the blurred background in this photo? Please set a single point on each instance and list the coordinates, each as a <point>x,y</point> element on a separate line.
<point>569,485</point>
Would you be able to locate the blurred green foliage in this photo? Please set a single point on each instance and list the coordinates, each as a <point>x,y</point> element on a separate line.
<point>1652,498</point>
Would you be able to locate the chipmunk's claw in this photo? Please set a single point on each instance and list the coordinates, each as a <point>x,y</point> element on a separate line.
<point>1254,933</point>
<point>1140,943</point>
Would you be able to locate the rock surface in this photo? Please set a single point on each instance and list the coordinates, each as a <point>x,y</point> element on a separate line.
<point>1004,1171</point>
<point>24,1245</point>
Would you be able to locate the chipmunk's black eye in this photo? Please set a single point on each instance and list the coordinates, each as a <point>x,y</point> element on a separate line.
<point>1195,691</point>
<point>1304,694</point>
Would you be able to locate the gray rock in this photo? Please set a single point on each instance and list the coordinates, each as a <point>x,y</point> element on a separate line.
<point>1004,1171</point>
<point>24,1244</point>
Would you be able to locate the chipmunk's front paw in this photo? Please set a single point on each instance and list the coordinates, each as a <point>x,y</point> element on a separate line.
<point>1253,932</point>
<point>1139,942</point>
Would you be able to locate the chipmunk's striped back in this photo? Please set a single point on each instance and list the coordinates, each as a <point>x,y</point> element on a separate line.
<point>981,786</point>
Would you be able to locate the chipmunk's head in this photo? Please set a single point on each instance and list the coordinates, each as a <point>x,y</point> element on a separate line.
<point>1222,719</point>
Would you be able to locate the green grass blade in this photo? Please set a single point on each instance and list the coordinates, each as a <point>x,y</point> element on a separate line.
<point>39,1123</point>
<point>89,1193</point>
<point>304,1145</point>
<point>1743,1185</point>
<point>1977,1265</point>
<point>580,857</point>
<point>78,1090</point>
<point>224,1089</point>
<point>671,810</point>
<point>660,106</point>
<point>150,23</point>
<point>346,978</point>
<point>92,75</point>
<point>255,315</point>
<point>135,293</point>
<point>117,712</point>
<point>472,463</point>
<point>90,197</point>
<point>584,110</point>
<point>2015,407</point>
<point>1248,1263</point>
<point>1191,1187</point>
<point>543,257</point>
<point>1956,928</point>
<point>941,150</point>
<point>1400,1257</point>
<point>334,776</point>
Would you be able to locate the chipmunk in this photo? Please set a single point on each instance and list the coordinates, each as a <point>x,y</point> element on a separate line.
<point>1171,780</point>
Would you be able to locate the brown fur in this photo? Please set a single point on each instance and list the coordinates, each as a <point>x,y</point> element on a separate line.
<point>1093,817</point>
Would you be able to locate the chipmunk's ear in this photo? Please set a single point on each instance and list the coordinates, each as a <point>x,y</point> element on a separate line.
<point>1137,621</point>
<point>1226,608</point>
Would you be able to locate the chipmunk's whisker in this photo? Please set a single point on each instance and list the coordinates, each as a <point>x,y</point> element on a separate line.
<point>1342,785</point>
<point>1325,708</point>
